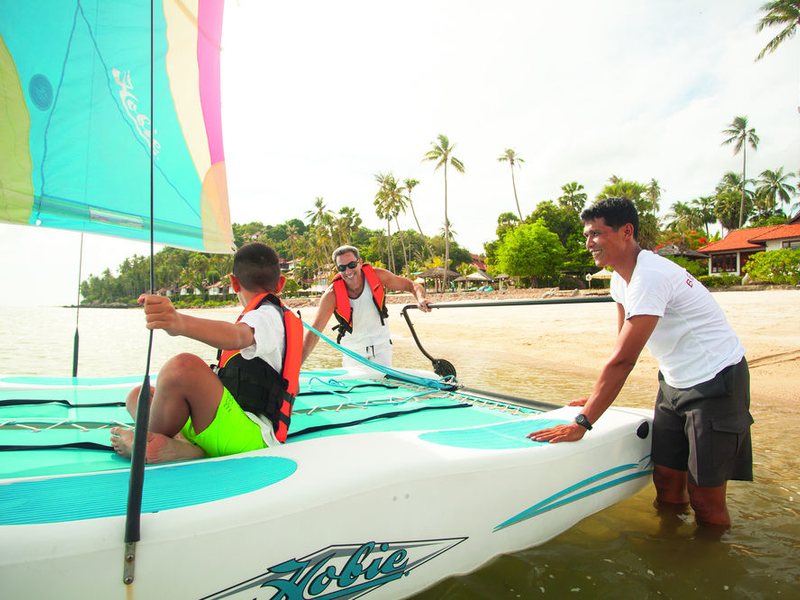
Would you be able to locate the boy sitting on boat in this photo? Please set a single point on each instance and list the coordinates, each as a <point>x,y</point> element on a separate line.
<point>246,403</point>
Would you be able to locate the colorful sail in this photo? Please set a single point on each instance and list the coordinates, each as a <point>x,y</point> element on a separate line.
<point>76,120</point>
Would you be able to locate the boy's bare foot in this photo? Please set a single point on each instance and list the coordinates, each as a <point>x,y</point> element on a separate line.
<point>160,448</point>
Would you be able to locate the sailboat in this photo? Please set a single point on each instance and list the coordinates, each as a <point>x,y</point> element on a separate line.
<point>389,482</point>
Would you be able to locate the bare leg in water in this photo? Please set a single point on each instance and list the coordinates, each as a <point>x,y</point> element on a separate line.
<point>674,493</point>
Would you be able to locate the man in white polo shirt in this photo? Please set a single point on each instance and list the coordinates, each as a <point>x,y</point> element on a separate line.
<point>701,430</point>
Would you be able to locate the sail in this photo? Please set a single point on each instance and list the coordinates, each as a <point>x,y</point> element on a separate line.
<point>76,119</point>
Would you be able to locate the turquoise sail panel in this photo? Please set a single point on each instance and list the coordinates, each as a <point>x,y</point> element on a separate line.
<point>76,119</point>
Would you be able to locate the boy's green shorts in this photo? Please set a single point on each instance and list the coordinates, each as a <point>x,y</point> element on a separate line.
<point>231,431</point>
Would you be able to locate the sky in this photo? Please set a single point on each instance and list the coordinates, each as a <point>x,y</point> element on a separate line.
<point>320,96</point>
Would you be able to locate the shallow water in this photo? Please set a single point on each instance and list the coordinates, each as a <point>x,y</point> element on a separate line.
<point>626,551</point>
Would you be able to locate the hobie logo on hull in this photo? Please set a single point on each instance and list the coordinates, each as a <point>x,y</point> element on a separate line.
<point>342,572</point>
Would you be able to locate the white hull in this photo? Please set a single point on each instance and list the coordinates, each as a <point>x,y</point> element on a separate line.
<point>385,514</point>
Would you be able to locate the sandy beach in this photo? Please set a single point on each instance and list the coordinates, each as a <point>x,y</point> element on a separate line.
<point>568,344</point>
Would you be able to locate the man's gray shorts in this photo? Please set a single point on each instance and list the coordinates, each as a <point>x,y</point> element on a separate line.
<point>705,429</point>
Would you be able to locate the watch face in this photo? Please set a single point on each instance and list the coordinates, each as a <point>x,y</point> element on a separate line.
<point>583,421</point>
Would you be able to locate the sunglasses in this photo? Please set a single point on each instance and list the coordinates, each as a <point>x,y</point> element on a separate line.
<point>350,265</point>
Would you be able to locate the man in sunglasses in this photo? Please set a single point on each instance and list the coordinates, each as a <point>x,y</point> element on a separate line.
<point>357,298</point>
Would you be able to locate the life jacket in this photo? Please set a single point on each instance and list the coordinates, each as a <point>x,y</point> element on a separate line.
<point>344,311</point>
<point>256,386</point>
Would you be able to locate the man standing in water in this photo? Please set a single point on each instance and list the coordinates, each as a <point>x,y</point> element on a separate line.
<point>701,430</point>
<point>357,298</point>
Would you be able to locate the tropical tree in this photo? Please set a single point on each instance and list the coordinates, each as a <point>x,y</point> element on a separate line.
<point>653,196</point>
<point>381,205</point>
<point>294,239</point>
<point>705,206</point>
<point>645,199</point>
<point>409,185</point>
<point>506,222</point>
<point>572,196</point>
<point>442,154</point>
<point>345,225</point>
<point>775,186</point>
<point>740,135</point>
<point>683,219</point>
<point>779,13</point>
<point>389,203</point>
<point>531,251</point>
<point>512,159</point>
<point>727,207</point>
<point>320,220</point>
<point>320,215</point>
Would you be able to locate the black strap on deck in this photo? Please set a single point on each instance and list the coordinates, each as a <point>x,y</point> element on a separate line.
<point>388,415</point>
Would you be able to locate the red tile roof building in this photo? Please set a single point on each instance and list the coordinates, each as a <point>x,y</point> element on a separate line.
<point>730,254</point>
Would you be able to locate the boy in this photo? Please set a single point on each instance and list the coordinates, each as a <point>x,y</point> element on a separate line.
<point>247,404</point>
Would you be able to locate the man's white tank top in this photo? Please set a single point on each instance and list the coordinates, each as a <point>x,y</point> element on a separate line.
<point>367,328</point>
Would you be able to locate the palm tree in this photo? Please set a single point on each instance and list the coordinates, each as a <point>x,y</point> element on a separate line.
<point>389,203</point>
<point>782,13</point>
<point>740,136</point>
<point>645,198</point>
<point>511,157</point>
<point>685,218</point>
<point>321,221</point>
<point>410,184</point>
<point>294,239</point>
<point>345,225</point>
<point>705,206</point>
<point>320,214</point>
<point>441,153</point>
<point>653,195</point>
<point>382,211</point>
<point>774,185</point>
<point>572,196</point>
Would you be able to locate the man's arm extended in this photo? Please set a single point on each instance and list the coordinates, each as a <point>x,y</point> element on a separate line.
<point>633,336</point>
<point>326,305</point>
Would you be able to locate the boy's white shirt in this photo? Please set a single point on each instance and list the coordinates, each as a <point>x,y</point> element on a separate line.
<point>269,345</point>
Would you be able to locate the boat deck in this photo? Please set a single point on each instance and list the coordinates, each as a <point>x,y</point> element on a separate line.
<point>59,426</point>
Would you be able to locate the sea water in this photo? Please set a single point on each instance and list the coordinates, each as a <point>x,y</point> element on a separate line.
<point>626,551</point>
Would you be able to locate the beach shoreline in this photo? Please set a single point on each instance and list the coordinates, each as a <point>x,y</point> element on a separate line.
<point>524,294</point>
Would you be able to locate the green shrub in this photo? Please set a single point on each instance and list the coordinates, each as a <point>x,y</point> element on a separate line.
<point>776,266</point>
<point>695,268</point>
<point>291,288</point>
<point>716,281</point>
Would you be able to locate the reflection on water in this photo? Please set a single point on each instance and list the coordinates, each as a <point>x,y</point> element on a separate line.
<point>626,551</point>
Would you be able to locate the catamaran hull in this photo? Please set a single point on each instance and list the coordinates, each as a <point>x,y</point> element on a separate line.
<point>382,514</point>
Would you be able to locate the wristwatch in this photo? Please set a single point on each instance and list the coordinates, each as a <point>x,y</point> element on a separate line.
<point>583,421</point>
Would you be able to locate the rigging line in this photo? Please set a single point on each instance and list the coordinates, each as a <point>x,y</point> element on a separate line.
<point>442,384</point>
<point>311,392</point>
<point>136,487</point>
<point>77,445</point>
<point>67,403</point>
<point>75,342</point>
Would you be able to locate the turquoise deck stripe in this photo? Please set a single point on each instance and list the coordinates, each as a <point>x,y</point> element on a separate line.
<point>566,495</point>
<point>104,495</point>
<point>70,381</point>
<point>502,436</point>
